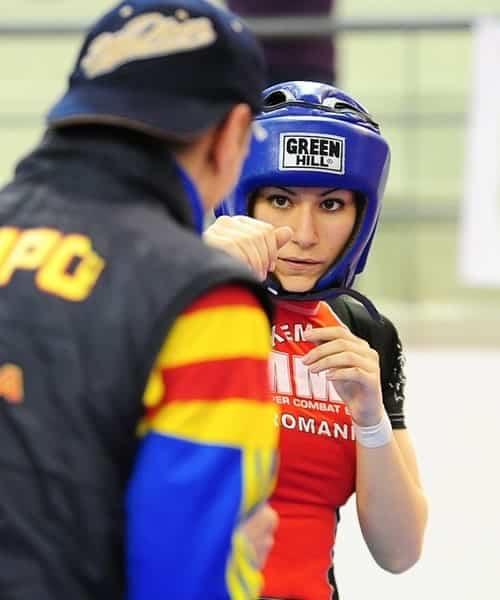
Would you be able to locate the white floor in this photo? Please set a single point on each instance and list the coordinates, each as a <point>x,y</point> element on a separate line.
<point>453,415</point>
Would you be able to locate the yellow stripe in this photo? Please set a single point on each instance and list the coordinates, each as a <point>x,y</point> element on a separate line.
<point>217,333</point>
<point>250,575</point>
<point>240,567</point>
<point>259,477</point>
<point>155,389</point>
<point>231,422</point>
<point>252,488</point>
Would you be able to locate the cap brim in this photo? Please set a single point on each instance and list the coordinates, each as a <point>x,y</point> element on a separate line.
<point>179,117</point>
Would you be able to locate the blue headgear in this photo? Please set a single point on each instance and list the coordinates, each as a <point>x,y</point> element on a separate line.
<point>318,136</point>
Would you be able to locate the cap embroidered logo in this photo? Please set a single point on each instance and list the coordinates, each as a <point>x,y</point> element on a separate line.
<point>146,36</point>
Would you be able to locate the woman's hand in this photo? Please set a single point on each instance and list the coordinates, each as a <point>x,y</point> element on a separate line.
<point>353,366</point>
<point>254,242</point>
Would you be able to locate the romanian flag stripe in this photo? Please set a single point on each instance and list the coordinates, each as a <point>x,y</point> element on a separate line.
<point>172,494</point>
<point>234,422</point>
<point>218,379</point>
<point>227,295</point>
<point>220,333</point>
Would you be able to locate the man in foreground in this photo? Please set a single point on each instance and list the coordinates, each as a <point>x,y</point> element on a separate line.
<point>104,284</point>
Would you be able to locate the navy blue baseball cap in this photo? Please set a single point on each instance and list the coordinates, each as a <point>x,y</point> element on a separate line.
<point>170,68</point>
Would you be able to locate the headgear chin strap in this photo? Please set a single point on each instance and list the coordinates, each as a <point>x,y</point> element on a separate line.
<point>318,136</point>
<point>274,287</point>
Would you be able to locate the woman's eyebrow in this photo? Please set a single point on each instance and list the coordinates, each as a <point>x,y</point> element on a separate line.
<point>287,190</point>
<point>329,191</point>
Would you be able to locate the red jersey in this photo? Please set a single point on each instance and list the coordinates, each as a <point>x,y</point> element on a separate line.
<point>317,459</point>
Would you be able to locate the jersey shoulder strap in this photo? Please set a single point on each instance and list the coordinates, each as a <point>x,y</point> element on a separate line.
<point>353,314</point>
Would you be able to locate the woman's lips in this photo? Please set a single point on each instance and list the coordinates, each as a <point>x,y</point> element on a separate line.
<point>301,263</point>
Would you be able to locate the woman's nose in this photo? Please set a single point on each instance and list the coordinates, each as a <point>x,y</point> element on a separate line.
<point>304,227</point>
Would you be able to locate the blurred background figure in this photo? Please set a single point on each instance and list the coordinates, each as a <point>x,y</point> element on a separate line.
<point>291,59</point>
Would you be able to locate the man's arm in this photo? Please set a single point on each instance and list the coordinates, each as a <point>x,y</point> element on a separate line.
<point>208,456</point>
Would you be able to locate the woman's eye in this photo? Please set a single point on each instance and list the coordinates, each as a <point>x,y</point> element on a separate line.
<point>279,201</point>
<point>331,204</point>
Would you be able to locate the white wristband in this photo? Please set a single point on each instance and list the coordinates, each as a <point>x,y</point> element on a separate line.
<point>374,436</point>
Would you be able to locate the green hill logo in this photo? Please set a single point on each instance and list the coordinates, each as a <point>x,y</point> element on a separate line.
<point>304,152</point>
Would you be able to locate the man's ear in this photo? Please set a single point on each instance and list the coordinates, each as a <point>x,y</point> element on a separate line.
<point>232,137</point>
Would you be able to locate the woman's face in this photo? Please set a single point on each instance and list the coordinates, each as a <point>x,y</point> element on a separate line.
<point>322,220</point>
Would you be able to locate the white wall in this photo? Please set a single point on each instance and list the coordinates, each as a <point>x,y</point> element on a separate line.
<point>453,414</point>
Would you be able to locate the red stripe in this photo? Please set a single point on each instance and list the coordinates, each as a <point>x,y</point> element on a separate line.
<point>245,378</point>
<point>226,295</point>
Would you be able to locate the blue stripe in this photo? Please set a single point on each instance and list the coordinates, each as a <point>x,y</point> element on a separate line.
<point>182,505</point>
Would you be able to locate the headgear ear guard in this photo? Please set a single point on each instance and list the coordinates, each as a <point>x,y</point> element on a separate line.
<point>318,136</point>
